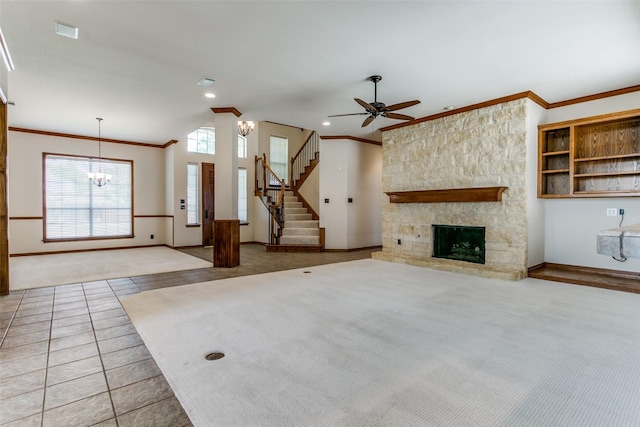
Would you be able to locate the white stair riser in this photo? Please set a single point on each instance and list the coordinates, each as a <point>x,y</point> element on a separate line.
<point>300,231</point>
<point>301,224</point>
<point>297,211</point>
<point>299,240</point>
<point>297,217</point>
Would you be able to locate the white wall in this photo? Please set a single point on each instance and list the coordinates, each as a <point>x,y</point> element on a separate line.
<point>571,225</point>
<point>25,191</point>
<point>310,189</point>
<point>535,206</point>
<point>365,188</point>
<point>350,169</point>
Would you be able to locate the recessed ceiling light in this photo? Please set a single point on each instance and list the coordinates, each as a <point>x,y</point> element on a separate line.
<point>326,123</point>
<point>210,95</point>
<point>66,30</point>
<point>206,81</point>
<point>449,108</point>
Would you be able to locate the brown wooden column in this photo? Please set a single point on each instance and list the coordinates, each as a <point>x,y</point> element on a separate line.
<point>226,243</point>
<point>4,211</point>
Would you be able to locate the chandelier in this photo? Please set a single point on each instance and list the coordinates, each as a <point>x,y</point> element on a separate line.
<point>99,178</point>
<point>245,127</point>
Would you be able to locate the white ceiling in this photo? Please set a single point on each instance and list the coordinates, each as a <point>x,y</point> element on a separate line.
<point>136,63</point>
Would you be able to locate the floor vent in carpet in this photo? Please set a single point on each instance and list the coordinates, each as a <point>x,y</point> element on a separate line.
<point>214,356</point>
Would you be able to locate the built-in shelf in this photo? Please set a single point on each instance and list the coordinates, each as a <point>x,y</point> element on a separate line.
<point>591,157</point>
<point>556,171</point>
<point>555,153</point>
<point>472,194</point>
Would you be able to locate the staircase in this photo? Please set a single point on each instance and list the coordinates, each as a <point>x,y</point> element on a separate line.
<point>299,226</point>
<point>294,223</point>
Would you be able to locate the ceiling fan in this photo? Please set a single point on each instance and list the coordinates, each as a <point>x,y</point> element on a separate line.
<point>375,108</point>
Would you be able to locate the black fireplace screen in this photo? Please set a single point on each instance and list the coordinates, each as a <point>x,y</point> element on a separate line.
<point>459,243</point>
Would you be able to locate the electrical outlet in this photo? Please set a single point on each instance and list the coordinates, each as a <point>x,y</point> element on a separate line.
<point>612,211</point>
<point>621,211</point>
<point>151,237</point>
<point>399,241</point>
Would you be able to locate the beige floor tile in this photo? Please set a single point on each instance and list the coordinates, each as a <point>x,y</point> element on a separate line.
<point>74,390</point>
<point>29,328</point>
<point>22,405</point>
<point>72,354</point>
<point>65,331</point>
<point>70,320</point>
<point>71,312</point>
<point>31,421</point>
<point>23,366</point>
<point>71,341</point>
<point>166,413</point>
<point>125,356</point>
<point>107,314</point>
<point>111,322</point>
<point>25,339</point>
<point>31,319</point>
<point>20,384</point>
<point>84,412</point>
<point>73,370</point>
<point>119,343</point>
<point>132,373</point>
<point>143,393</point>
<point>12,353</point>
<point>117,331</point>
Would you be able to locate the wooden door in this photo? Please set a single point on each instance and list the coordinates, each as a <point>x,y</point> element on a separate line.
<point>207,203</point>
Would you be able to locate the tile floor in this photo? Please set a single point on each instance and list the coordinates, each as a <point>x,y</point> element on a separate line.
<point>69,355</point>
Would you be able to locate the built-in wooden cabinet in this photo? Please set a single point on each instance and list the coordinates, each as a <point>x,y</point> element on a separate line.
<point>592,157</point>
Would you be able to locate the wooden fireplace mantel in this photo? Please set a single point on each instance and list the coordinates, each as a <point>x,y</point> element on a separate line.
<point>478,194</point>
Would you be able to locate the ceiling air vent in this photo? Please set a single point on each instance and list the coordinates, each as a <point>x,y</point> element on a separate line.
<point>66,30</point>
<point>206,81</point>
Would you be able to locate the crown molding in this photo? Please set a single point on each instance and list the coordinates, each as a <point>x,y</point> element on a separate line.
<point>594,97</point>
<point>231,110</point>
<point>528,94</point>
<point>353,138</point>
<point>88,138</point>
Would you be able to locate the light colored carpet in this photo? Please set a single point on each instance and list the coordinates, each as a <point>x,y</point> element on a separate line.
<point>375,343</point>
<point>57,269</point>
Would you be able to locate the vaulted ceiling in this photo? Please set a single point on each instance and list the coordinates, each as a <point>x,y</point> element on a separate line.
<point>136,63</point>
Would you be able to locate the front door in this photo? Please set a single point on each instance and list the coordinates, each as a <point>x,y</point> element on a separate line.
<point>207,203</point>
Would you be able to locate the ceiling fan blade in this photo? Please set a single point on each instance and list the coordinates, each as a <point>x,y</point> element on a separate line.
<point>401,105</point>
<point>397,116</point>
<point>365,105</point>
<point>367,121</point>
<point>352,114</point>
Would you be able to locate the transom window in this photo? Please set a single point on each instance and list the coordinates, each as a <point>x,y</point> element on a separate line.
<point>202,140</point>
<point>76,209</point>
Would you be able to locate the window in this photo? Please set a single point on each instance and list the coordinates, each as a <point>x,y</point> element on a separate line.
<point>202,140</point>
<point>242,195</point>
<point>192,193</point>
<point>75,209</point>
<point>278,160</point>
<point>242,147</point>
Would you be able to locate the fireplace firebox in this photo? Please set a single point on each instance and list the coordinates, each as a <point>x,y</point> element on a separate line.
<point>459,243</point>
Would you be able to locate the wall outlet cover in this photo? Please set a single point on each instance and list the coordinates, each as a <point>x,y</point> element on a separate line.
<point>612,211</point>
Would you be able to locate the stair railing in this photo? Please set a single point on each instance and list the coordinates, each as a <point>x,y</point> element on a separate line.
<point>309,151</point>
<point>270,189</point>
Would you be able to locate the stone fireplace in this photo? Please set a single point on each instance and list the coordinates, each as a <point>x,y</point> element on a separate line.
<point>475,149</point>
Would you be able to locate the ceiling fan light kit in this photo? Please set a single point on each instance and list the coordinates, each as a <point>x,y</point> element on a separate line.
<point>375,108</point>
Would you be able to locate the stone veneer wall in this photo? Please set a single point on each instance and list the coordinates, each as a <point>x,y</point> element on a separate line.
<point>485,147</point>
